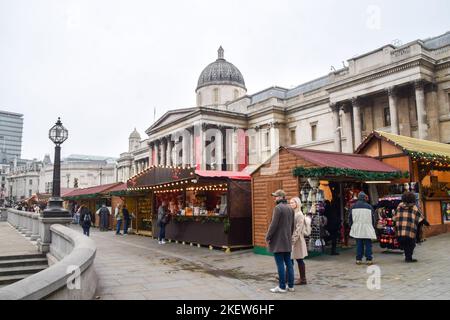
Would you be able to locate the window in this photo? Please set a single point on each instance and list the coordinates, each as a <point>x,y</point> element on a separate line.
<point>292,134</point>
<point>31,182</point>
<point>216,95</point>
<point>267,139</point>
<point>199,98</point>
<point>314,131</point>
<point>29,193</point>
<point>387,117</point>
<point>236,94</point>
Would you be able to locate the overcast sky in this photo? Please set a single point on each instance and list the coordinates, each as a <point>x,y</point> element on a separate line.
<point>104,65</point>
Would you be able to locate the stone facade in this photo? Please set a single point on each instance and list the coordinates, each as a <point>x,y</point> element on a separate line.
<point>403,90</point>
<point>34,176</point>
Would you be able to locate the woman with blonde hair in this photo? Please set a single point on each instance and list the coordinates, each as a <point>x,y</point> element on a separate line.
<point>299,249</point>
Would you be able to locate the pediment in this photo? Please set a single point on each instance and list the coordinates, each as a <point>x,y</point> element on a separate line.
<point>169,117</point>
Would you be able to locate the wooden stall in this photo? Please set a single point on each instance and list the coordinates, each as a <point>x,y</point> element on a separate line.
<point>291,169</point>
<point>93,198</point>
<point>428,164</point>
<point>211,208</point>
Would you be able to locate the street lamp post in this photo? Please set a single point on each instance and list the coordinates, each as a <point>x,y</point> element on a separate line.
<point>54,213</point>
<point>58,134</point>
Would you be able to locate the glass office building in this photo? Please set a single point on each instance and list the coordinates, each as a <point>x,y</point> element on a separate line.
<point>11,128</point>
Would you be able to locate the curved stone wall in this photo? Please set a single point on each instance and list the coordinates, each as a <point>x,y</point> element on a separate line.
<point>71,276</point>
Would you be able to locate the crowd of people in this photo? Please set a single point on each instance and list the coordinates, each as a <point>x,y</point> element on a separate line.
<point>83,216</point>
<point>289,226</point>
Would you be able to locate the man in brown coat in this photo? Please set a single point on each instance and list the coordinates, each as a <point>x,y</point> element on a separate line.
<point>279,240</point>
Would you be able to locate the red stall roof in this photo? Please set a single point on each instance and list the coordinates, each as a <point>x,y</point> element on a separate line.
<point>92,190</point>
<point>237,175</point>
<point>342,160</point>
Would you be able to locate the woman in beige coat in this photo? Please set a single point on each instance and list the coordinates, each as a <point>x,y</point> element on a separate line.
<point>299,249</point>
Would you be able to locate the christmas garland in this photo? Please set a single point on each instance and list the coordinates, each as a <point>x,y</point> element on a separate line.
<point>354,173</point>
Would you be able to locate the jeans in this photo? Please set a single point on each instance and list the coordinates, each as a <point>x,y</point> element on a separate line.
<point>282,259</point>
<point>162,231</point>
<point>119,224</point>
<point>125,225</point>
<point>86,231</point>
<point>360,244</point>
<point>408,245</point>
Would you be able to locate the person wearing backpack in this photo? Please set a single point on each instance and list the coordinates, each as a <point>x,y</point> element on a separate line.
<point>86,220</point>
<point>302,229</point>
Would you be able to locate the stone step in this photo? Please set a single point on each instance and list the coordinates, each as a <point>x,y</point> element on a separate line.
<point>5,280</point>
<point>21,270</point>
<point>23,262</point>
<point>23,256</point>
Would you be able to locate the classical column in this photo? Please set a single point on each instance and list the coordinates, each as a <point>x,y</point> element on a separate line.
<point>156,160</point>
<point>336,127</point>
<point>347,128</point>
<point>219,148</point>
<point>151,144</point>
<point>393,110</point>
<point>186,151</point>
<point>434,133</point>
<point>274,137</point>
<point>163,151</point>
<point>204,158</point>
<point>357,121</point>
<point>421,112</point>
<point>192,146</point>
<point>168,151</point>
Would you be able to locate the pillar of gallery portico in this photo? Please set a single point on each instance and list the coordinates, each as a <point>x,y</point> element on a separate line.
<point>347,128</point>
<point>168,151</point>
<point>421,112</point>
<point>219,149</point>
<point>357,121</point>
<point>393,112</point>
<point>163,152</point>
<point>156,160</point>
<point>434,132</point>
<point>336,128</point>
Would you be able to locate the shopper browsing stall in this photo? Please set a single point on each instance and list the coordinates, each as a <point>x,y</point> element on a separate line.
<point>362,222</point>
<point>407,219</point>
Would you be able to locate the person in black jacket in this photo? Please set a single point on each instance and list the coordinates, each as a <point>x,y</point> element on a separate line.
<point>86,219</point>
<point>333,224</point>
<point>126,219</point>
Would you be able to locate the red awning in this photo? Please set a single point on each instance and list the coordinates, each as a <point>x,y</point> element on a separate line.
<point>237,175</point>
<point>92,190</point>
<point>342,160</point>
<point>120,187</point>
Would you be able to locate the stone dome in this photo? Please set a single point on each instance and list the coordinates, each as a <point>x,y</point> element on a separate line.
<point>221,72</point>
<point>135,135</point>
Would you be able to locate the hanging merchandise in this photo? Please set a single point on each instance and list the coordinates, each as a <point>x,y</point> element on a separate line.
<point>386,226</point>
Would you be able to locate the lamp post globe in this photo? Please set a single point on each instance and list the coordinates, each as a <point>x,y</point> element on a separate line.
<point>57,134</point>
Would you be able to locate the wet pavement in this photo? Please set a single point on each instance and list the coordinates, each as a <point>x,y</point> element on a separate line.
<point>136,267</point>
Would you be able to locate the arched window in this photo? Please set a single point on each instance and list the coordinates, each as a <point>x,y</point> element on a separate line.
<point>216,95</point>
<point>199,98</point>
<point>236,94</point>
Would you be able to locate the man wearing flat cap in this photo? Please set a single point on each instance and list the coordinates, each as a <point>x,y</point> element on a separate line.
<point>279,240</point>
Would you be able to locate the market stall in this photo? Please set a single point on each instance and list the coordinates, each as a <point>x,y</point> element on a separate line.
<point>210,208</point>
<point>428,165</point>
<point>93,198</point>
<point>139,206</point>
<point>315,176</point>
